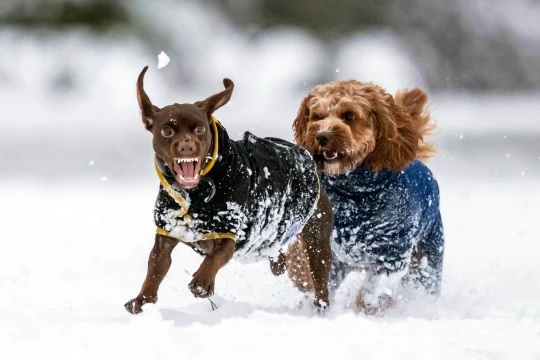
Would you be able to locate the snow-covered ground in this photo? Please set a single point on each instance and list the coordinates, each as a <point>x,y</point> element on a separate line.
<point>73,253</point>
<point>77,191</point>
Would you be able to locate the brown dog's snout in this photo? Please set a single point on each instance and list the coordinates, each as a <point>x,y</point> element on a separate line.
<point>323,138</point>
<point>186,147</point>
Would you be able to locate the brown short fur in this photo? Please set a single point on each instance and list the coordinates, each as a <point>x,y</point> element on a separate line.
<point>181,132</point>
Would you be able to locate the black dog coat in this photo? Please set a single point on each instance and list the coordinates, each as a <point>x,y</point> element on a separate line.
<point>259,192</point>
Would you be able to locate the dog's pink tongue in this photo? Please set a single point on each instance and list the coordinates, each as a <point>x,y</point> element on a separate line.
<point>188,169</point>
<point>187,173</point>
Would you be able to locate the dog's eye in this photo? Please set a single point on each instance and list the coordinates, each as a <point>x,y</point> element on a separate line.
<point>167,132</point>
<point>316,117</point>
<point>348,116</point>
<point>199,130</point>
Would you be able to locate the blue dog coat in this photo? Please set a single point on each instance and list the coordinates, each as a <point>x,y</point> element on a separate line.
<point>382,218</point>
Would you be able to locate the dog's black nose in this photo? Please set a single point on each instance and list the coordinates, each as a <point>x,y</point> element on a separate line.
<point>323,138</point>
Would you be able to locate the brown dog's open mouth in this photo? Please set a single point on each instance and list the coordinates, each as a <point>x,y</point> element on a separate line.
<point>187,171</point>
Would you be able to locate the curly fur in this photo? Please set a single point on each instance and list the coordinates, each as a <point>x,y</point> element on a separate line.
<point>348,124</point>
<point>384,133</point>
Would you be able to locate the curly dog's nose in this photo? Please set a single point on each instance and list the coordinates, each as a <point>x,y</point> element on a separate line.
<point>323,138</point>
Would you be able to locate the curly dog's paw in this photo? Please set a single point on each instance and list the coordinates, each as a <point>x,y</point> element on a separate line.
<point>384,302</point>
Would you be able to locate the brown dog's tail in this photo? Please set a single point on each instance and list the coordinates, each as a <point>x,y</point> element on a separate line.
<point>415,101</point>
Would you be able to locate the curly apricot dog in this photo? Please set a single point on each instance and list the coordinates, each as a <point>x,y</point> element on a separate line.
<point>385,200</point>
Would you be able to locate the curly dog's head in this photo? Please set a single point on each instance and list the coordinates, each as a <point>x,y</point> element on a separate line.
<point>345,124</point>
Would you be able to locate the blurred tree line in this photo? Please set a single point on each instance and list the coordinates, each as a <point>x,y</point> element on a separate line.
<point>62,14</point>
<point>462,44</point>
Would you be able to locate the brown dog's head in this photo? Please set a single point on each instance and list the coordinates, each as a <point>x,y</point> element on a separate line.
<point>182,136</point>
<point>345,124</point>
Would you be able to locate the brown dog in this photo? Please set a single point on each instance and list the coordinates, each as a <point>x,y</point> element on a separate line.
<point>228,198</point>
<point>370,146</point>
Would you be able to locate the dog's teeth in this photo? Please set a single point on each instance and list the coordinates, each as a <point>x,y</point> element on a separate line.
<point>186,160</point>
<point>329,155</point>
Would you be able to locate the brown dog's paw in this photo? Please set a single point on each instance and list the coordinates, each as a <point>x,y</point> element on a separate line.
<point>202,285</point>
<point>321,305</point>
<point>278,266</point>
<point>384,303</point>
<point>134,306</point>
<point>322,300</point>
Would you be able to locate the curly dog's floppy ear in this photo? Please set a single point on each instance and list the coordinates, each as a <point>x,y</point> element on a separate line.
<point>300,123</point>
<point>415,102</point>
<point>397,137</point>
<point>147,109</point>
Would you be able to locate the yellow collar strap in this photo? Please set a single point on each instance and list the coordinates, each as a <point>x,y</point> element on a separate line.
<point>210,165</point>
<point>172,193</point>
<point>208,236</point>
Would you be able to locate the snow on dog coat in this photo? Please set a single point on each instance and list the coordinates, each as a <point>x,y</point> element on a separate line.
<point>381,217</point>
<point>259,192</point>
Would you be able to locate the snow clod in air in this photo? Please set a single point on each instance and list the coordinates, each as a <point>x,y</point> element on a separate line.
<point>163,60</point>
<point>523,173</point>
<point>460,136</point>
<point>91,163</point>
<point>104,179</point>
<point>337,70</point>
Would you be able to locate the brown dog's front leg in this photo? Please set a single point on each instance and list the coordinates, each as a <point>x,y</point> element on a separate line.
<point>159,263</point>
<point>204,279</point>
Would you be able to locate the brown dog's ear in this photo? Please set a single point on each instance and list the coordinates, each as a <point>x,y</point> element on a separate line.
<point>147,109</point>
<point>301,122</point>
<point>216,101</point>
<point>397,137</point>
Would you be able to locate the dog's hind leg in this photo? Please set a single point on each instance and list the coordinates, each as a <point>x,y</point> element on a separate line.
<point>298,267</point>
<point>315,238</point>
<point>427,260</point>
<point>159,263</point>
<point>338,273</point>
